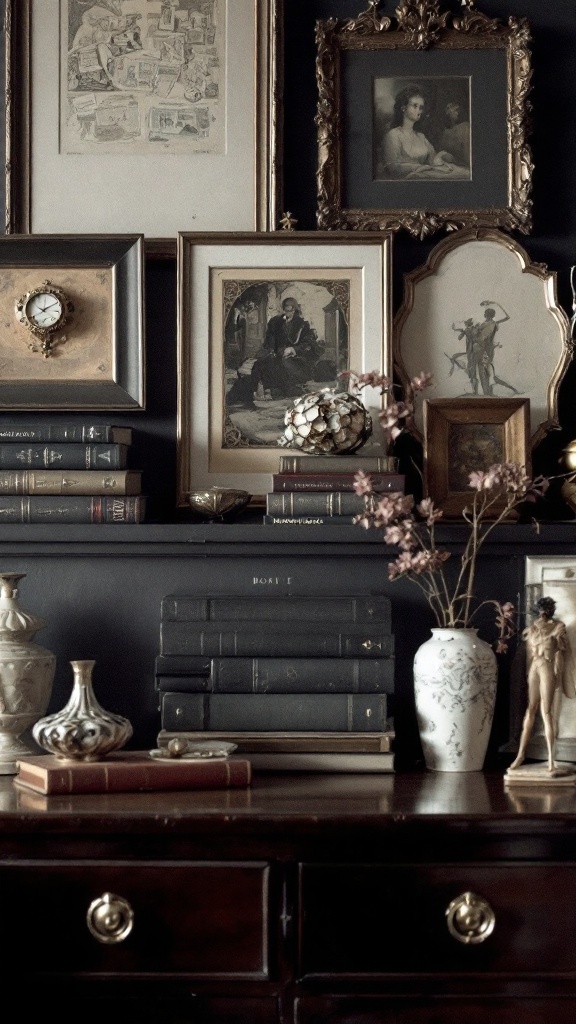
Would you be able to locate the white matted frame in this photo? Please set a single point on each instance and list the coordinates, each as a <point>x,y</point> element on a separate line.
<point>554,576</point>
<point>216,273</point>
<point>484,320</point>
<point>159,193</point>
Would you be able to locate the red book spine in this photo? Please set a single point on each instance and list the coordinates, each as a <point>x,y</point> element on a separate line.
<point>381,482</point>
<point>131,776</point>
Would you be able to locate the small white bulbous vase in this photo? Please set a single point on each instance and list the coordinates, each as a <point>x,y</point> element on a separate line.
<point>455,677</point>
<point>82,730</point>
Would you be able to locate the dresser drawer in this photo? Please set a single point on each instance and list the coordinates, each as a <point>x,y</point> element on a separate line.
<point>375,919</point>
<point>436,1010</point>
<point>193,918</point>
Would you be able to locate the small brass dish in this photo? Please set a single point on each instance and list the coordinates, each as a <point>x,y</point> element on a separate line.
<point>217,502</point>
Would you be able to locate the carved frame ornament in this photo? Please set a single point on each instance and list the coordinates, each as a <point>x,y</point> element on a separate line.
<point>422,26</point>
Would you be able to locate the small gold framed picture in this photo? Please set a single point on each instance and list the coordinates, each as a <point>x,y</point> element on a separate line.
<point>467,435</point>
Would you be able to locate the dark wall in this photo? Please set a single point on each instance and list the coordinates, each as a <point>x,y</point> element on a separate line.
<point>116,616</point>
<point>553,240</point>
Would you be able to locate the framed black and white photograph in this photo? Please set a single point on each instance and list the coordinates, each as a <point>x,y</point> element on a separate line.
<point>136,115</point>
<point>422,120</point>
<point>484,320</point>
<point>422,132</point>
<point>264,319</point>
<point>72,313</point>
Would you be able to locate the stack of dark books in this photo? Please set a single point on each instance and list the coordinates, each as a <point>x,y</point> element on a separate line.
<point>71,473</point>
<point>297,683</point>
<point>316,490</point>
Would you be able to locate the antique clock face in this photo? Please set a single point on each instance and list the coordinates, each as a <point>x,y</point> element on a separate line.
<point>43,311</point>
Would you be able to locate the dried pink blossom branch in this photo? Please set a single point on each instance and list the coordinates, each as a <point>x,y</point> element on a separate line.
<point>412,529</point>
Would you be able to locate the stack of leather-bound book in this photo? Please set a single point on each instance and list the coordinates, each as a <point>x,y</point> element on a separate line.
<point>299,683</point>
<point>316,490</point>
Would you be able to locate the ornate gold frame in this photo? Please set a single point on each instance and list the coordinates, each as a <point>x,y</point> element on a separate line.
<point>422,25</point>
<point>433,273</point>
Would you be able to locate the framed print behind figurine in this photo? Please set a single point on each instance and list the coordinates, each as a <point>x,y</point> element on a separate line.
<point>242,297</point>
<point>462,436</point>
<point>136,115</point>
<point>72,313</point>
<point>423,120</point>
<point>484,321</point>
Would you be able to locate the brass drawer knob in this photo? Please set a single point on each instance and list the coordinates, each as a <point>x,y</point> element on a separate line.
<point>470,918</point>
<point>110,918</point>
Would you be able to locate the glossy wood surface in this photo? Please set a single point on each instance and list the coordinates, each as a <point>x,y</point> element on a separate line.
<point>281,802</point>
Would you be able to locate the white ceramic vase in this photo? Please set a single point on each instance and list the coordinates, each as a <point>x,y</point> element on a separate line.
<point>455,676</point>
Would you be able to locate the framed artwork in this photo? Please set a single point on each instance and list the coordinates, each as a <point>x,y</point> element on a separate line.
<point>422,120</point>
<point>464,435</point>
<point>146,114</point>
<point>484,320</point>
<point>72,310</point>
<point>264,318</point>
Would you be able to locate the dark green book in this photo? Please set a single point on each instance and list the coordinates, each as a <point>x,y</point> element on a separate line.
<point>301,712</point>
<point>65,455</point>
<point>280,640</point>
<point>287,675</point>
<point>266,608</point>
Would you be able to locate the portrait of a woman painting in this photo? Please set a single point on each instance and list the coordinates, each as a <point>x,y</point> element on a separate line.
<point>422,129</point>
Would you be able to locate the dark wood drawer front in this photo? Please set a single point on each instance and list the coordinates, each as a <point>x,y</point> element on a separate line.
<point>375,919</point>
<point>380,1010</point>
<point>195,919</point>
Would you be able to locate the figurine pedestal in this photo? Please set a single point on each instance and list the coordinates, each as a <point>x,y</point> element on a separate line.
<point>563,774</point>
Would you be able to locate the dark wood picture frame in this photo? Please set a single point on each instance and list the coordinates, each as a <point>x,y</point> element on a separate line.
<point>423,44</point>
<point>482,431</point>
<point>114,323</point>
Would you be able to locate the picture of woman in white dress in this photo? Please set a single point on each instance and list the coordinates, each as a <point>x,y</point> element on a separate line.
<point>407,153</point>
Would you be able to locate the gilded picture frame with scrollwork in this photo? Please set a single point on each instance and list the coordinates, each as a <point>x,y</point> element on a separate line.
<point>423,120</point>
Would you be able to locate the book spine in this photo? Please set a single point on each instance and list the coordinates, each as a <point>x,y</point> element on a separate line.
<point>183,684</point>
<point>171,665</point>
<point>95,433</point>
<point>289,742</point>
<point>110,777</point>
<point>182,608</point>
<point>336,464</point>
<point>82,481</point>
<point>320,503</point>
<point>332,712</point>
<point>71,509</point>
<point>308,520</point>
<point>184,638</point>
<point>381,482</point>
<point>302,675</point>
<point>365,764</point>
<point>63,456</point>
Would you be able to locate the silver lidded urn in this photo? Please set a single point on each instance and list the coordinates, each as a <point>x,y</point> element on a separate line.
<point>26,674</point>
<point>82,730</point>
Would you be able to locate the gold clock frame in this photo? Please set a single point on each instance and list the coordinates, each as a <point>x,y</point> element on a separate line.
<point>45,334</point>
